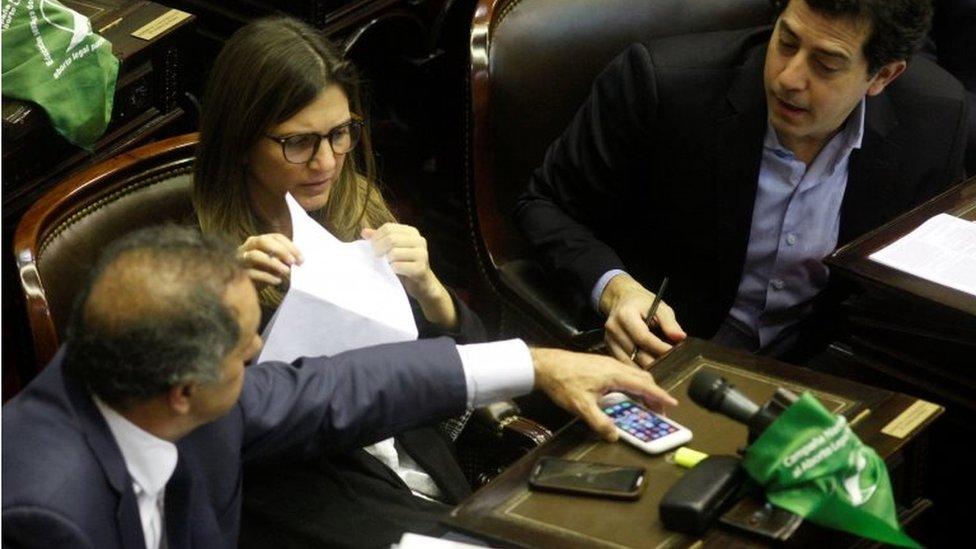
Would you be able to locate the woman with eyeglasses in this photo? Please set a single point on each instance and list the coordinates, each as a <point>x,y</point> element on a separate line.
<point>282,114</point>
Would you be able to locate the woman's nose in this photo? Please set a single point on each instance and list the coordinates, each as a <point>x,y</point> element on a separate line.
<point>324,159</point>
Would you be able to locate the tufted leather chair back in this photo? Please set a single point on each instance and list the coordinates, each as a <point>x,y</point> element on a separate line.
<point>61,237</point>
<point>532,65</point>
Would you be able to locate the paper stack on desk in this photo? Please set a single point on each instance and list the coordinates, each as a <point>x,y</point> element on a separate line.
<point>341,297</point>
<point>942,250</point>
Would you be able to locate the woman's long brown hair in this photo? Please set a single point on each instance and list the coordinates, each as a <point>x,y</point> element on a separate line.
<point>267,72</point>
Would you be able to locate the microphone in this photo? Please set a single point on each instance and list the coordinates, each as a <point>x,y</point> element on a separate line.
<point>693,503</point>
<point>714,393</point>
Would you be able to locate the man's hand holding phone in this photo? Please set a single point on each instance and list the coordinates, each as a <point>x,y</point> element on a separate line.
<point>578,381</point>
<point>641,427</point>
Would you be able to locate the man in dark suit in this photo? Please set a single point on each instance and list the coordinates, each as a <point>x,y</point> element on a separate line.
<point>733,162</point>
<point>134,436</point>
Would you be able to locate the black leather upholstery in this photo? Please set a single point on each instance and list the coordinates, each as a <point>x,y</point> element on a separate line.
<point>542,58</point>
<point>62,235</point>
<point>68,254</point>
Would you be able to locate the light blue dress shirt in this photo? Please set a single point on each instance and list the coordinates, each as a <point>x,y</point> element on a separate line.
<point>795,223</point>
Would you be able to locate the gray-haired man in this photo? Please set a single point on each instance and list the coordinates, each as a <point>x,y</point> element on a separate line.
<point>136,433</point>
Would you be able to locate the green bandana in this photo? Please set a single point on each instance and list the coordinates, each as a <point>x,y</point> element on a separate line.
<point>52,57</point>
<point>812,464</point>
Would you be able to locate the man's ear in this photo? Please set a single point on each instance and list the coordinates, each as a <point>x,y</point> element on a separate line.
<point>179,397</point>
<point>885,76</point>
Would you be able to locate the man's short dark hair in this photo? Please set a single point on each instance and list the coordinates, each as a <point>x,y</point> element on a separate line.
<point>897,26</point>
<point>152,315</point>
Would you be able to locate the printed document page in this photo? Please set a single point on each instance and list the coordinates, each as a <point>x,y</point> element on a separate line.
<point>420,541</point>
<point>342,297</point>
<point>942,250</point>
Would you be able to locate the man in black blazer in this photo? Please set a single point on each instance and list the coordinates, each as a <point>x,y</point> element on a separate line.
<point>135,435</point>
<point>733,162</point>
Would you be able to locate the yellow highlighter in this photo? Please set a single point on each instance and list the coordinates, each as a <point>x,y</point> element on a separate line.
<point>688,458</point>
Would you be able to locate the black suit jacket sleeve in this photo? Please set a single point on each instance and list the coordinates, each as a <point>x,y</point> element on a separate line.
<point>349,400</point>
<point>29,527</point>
<point>469,329</point>
<point>581,185</point>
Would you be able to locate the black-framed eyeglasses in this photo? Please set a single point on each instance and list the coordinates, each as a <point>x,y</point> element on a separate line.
<point>301,148</point>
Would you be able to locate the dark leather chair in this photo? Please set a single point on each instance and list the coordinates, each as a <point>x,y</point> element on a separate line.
<point>59,239</point>
<point>532,64</point>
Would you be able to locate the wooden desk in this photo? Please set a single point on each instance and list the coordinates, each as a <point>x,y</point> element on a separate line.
<point>908,334</point>
<point>507,513</point>
<point>148,101</point>
<point>916,331</point>
<point>851,261</point>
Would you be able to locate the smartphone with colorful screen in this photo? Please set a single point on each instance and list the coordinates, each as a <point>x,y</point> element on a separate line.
<point>641,427</point>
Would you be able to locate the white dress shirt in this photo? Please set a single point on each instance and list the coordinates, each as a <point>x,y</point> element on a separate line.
<point>492,372</point>
<point>795,224</point>
<point>150,462</point>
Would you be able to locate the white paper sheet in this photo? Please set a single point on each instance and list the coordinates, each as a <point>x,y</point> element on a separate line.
<point>342,297</point>
<point>420,541</point>
<point>943,250</point>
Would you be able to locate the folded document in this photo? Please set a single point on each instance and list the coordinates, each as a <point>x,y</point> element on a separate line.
<point>341,297</point>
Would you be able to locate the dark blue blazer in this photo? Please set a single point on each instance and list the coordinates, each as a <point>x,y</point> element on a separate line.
<point>65,483</point>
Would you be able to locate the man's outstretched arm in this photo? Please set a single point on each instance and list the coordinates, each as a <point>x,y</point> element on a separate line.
<point>358,397</point>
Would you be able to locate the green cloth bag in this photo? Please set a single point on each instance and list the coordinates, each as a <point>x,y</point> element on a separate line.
<point>811,463</point>
<point>52,57</point>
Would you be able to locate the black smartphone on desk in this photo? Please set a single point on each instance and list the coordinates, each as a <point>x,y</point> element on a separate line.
<point>586,478</point>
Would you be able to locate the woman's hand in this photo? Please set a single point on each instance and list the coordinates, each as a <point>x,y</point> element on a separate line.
<point>269,257</point>
<point>406,250</point>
